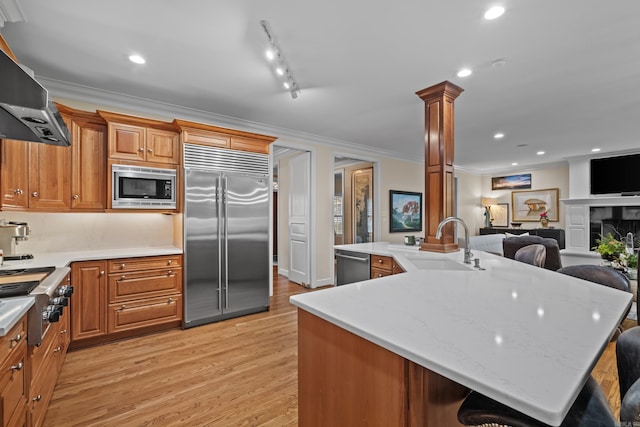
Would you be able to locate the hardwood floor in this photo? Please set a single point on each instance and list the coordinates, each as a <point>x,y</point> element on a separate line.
<point>239,372</point>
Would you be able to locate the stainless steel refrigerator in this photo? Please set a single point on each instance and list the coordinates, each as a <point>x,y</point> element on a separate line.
<point>226,234</point>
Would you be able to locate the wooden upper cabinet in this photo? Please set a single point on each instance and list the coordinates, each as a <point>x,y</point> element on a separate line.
<point>14,174</point>
<point>49,177</point>
<point>89,166</point>
<point>198,133</point>
<point>142,140</point>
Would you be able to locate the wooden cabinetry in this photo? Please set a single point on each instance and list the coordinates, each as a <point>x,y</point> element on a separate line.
<point>198,133</point>
<point>125,297</point>
<point>141,140</point>
<point>45,365</point>
<point>88,159</point>
<point>43,177</point>
<point>35,176</point>
<point>13,376</point>
<point>89,301</point>
<point>384,266</point>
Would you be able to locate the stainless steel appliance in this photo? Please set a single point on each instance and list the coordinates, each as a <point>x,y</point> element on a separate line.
<point>226,234</point>
<point>11,233</point>
<point>26,112</point>
<point>136,187</point>
<point>50,292</point>
<point>352,267</point>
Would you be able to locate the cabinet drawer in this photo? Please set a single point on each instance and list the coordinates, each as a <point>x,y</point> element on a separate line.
<point>143,263</point>
<point>381,262</point>
<point>41,391</point>
<point>39,355</point>
<point>13,387</point>
<point>144,284</point>
<point>378,272</point>
<point>12,339</point>
<point>149,312</point>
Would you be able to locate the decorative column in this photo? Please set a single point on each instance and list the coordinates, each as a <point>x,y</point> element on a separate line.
<point>438,164</point>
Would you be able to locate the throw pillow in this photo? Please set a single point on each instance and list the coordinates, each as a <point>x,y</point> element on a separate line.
<point>516,235</point>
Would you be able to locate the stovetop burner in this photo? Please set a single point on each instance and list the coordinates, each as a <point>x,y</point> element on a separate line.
<point>21,281</point>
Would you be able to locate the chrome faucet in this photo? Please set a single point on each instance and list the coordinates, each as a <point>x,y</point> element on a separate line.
<point>467,250</point>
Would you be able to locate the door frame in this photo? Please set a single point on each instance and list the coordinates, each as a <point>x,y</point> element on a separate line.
<point>312,211</point>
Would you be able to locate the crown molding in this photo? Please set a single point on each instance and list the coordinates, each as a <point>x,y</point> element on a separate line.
<point>129,104</point>
<point>10,11</point>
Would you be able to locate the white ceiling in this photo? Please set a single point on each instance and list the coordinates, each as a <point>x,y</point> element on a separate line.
<point>571,82</point>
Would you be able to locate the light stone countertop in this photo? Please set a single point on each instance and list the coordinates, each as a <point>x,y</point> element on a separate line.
<point>525,336</point>
<point>12,309</point>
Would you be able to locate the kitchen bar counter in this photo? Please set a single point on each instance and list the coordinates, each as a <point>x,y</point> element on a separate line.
<point>525,336</point>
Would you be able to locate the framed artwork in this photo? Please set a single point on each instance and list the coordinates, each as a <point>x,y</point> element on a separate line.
<point>500,215</point>
<point>528,205</point>
<point>511,182</point>
<point>405,211</point>
<point>362,203</point>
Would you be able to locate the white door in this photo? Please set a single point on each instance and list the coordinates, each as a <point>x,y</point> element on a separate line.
<point>299,211</point>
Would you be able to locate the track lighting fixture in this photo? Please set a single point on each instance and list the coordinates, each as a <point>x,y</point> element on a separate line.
<point>279,62</point>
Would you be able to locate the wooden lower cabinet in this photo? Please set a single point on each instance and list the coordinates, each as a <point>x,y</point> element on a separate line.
<point>384,266</point>
<point>45,365</point>
<point>125,297</point>
<point>346,380</point>
<point>14,376</point>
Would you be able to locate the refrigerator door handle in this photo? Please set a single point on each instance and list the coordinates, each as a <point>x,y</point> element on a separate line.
<point>218,209</point>
<point>225,200</point>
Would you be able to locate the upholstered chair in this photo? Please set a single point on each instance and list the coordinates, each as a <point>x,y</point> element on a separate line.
<point>590,407</point>
<point>510,246</point>
<point>532,254</point>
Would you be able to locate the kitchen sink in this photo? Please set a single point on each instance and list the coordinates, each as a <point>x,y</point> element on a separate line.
<point>439,264</point>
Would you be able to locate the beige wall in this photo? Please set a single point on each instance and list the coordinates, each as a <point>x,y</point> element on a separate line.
<point>468,202</point>
<point>551,177</point>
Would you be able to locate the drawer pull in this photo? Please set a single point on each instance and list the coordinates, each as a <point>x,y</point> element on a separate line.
<point>379,274</point>
<point>123,277</point>
<point>122,266</point>
<point>102,272</point>
<point>169,262</point>
<point>169,273</point>
<point>15,340</point>
<point>57,349</point>
<point>380,260</point>
<point>64,331</point>
<point>17,367</point>
<point>171,300</point>
<point>123,307</point>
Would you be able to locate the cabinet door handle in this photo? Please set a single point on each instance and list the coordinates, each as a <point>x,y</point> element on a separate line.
<point>34,194</point>
<point>76,197</point>
<point>64,331</point>
<point>15,340</point>
<point>57,349</point>
<point>102,272</point>
<point>38,398</point>
<point>18,191</point>
<point>17,367</point>
<point>141,149</point>
<point>150,150</point>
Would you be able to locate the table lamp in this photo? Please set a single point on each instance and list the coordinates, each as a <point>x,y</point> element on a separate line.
<point>487,202</point>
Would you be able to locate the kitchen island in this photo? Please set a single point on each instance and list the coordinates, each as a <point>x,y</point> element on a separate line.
<point>404,349</point>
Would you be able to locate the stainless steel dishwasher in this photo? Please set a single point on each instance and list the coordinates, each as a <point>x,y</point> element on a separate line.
<point>352,267</point>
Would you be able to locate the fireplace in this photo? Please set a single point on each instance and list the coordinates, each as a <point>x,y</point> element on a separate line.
<point>617,220</point>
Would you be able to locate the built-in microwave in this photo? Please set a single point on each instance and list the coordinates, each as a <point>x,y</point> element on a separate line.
<point>136,187</point>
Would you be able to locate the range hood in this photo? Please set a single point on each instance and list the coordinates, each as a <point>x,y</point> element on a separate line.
<point>26,113</point>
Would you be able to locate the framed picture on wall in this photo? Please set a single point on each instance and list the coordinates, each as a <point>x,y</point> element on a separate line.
<point>528,205</point>
<point>405,211</point>
<point>511,182</point>
<point>500,215</point>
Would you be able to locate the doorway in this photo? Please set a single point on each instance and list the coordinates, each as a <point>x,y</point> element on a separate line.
<point>353,201</point>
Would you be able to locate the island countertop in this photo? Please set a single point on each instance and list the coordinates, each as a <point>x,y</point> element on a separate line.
<point>523,335</point>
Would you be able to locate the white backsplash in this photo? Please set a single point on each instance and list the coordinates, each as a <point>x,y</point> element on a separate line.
<point>51,232</point>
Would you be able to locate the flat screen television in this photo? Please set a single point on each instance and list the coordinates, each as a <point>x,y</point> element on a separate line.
<point>616,175</point>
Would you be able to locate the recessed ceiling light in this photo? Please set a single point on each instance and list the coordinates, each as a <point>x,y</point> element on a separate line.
<point>499,135</point>
<point>595,150</point>
<point>280,71</point>
<point>270,54</point>
<point>540,153</point>
<point>137,59</point>
<point>464,72</point>
<point>494,12</point>
<point>286,85</point>
<point>514,164</point>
